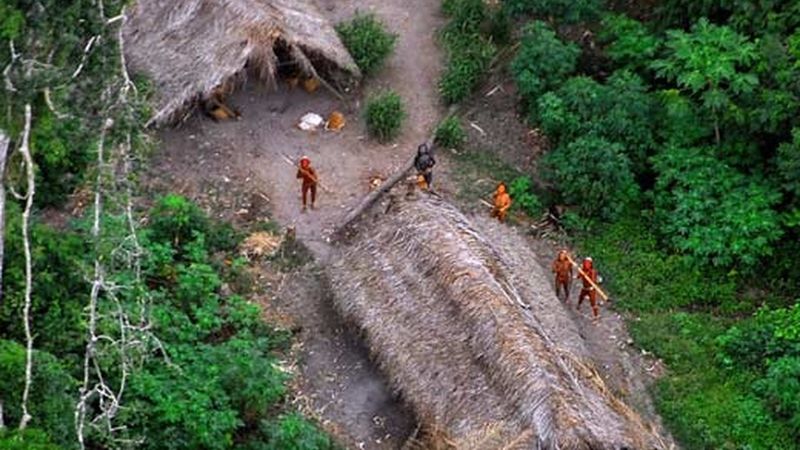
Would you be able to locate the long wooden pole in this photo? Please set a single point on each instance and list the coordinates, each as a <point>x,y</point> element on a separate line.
<point>312,176</point>
<point>587,278</point>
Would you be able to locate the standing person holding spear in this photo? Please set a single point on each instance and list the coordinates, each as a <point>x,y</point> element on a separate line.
<point>310,181</point>
<point>589,276</point>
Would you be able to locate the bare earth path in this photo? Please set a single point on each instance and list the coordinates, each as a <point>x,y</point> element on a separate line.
<point>225,166</point>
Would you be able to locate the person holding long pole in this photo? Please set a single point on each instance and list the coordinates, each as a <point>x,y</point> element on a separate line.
<point>310,180</point>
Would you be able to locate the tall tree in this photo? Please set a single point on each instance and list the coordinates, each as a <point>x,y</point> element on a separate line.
<point>714,64</point>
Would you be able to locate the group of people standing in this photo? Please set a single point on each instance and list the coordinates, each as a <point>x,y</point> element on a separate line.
<point>562,268</point>
<point>424,163</point>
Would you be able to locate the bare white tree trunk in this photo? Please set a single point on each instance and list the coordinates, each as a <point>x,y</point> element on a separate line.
<point>4,141</point>
<point>97,284</point>
<point>31,190</point>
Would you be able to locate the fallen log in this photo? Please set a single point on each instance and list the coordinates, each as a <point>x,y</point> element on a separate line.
<point>370,198</point>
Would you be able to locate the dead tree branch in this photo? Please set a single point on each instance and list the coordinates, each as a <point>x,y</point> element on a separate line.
<point>89,360</point>
<point>26,215</point>
<point>4,143</point>
<point>6,72</point>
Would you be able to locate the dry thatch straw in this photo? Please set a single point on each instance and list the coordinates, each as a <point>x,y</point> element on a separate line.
<point>260,244</point>
<point>189,47</point>
<point>436,295</point>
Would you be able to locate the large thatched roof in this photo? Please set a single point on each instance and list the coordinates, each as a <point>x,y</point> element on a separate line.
<point>436,297</point>
<point>187,47</point>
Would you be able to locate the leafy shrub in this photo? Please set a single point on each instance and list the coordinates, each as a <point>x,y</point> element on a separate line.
<point>293,432</point>
<point>521,191</point>
<point>768,336</point>
<point>629,43</point>
<point>500,26</point>
<point>788,163</point>
<point>568,11</point>
<point>468,58</point>
<point>466,16</point>
<point>781,390</point>
<point>449,133</point>
<point>712,212</point>
<point>367,41</point>
<point>758,18</point>
<point>384,114</point>
<point>59,288</point>
<point>61,156</point>
<point>769,344</point>
<point>619,111</point>
<point>50,403</point>
<point>592,174</point>
<point>544,61</point>
<point>712,63</point>
<point>679,120</point>
<point>175,220</point>
<point>29,439</point>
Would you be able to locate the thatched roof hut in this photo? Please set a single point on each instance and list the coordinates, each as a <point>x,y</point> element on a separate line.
<point>436,296</point>
<point>188,47</point>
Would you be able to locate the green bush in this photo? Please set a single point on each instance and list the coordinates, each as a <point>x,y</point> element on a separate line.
<point>521,191</point>
<point>593,174</point>
<point>769,345</point>
<point>715,65</point>
<point>466,16</point>
<point>293,432</point>
<point>59,286</point>
<point>788,164</point>
<point>29,439</point>
<point>768,336</point>
<point>500,26</point>
<point>781,390</point>
<point>449,133</point>
<point>679,121</point>
<point>224,382</point>
<point>628,42</point>
<point>384,114</point>
<point>175,220</point>
<point>544,61</point>
<point>568,11</point>
<point>713,213</point>
<point>367,41</point>
<point>468,58</point>
<point>619,111</point>
<point>61,154</point>
<point>50,403</point>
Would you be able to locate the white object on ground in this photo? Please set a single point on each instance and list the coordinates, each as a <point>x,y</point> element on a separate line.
<point>310,121</point>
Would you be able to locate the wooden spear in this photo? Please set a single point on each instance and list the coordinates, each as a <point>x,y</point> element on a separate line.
<point>310,175</point>
<point>591,282</point>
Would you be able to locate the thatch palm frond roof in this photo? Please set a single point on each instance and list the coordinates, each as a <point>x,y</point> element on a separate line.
<point>436,295</point>
<point>188,47</point>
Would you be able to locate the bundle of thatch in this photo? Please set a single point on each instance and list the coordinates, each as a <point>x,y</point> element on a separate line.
<point>438,304</point>
<point>189,47</point>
